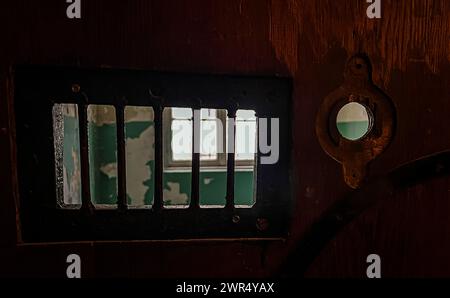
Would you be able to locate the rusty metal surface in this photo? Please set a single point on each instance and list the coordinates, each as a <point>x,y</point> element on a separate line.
<point>355,155</point>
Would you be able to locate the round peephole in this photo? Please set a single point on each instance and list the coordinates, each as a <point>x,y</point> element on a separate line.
<point>353,121</point>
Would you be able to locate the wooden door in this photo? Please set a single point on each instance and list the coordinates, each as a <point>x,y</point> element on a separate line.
<point>309,41</point>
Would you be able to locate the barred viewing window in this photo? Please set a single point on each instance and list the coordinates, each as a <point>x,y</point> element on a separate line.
<point>109,155</point>
<point>139,147</point>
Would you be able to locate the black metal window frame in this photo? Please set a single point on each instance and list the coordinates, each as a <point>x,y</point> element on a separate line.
<point>39,88</point>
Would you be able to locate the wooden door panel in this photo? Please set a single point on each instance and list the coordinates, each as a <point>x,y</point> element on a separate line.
<point>309,41</point>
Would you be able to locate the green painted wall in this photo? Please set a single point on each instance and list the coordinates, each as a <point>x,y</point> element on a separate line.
<point>353,130</point>
<point>103,161</point>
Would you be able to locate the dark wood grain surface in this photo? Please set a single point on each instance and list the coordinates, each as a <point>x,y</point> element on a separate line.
<point>308,40</point>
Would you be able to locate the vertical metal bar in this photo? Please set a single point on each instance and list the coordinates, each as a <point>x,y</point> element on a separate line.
<point>86,203</point>
<point>231,158</point>
<point>195,186</point>
<point>256,159</point>
<point>58,143</point>
<point>158,196</point>
<point>121,157</point>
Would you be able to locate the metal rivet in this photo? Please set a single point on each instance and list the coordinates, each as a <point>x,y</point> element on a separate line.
<point>236,219</point>
<point>353,98</point>
<point>76,88</point>
<point>309,192</point>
